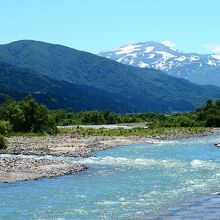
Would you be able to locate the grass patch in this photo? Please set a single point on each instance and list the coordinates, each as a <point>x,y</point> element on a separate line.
<point>28,134</point>
<point>144,132</point>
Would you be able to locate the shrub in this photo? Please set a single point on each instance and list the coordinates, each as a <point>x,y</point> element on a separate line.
<point>3,142</point>
<point>26,116</point>
<point>5,128</point>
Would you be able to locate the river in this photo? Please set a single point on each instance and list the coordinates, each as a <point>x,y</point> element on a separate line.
<point>168,180</point>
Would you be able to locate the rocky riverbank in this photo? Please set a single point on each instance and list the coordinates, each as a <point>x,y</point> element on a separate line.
<point>73,145</point>
<point>16,169</point>
<point>68,145</point>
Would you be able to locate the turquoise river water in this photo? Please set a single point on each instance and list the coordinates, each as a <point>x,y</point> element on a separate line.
<point>168,180</point>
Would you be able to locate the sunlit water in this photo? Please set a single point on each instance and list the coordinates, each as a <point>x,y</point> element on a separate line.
<point>113,126</point>
<point>165,180</point>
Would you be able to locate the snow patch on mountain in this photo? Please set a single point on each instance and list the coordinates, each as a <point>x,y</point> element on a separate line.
<point>199,68</point>
<point>148,49</point>
<point>182,58</point>
<point>216,56</point>
<point>193,58</point>
<point>211,62</point>
<point>143,65</point>
<point>132,55</point>
<point>165,54</point>
<point>127,49</point>
<point>151,56</point>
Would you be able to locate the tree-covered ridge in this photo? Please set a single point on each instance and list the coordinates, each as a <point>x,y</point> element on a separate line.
<point>138,90</point>
<point>18,82</point>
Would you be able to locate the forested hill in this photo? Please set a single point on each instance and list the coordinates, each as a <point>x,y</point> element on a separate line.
<point>19,82</point>
<point>137,90</point>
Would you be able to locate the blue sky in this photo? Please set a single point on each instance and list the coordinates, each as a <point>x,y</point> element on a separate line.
<point>96,25</point>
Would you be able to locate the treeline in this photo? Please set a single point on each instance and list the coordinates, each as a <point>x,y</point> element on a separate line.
<point>209,114</point>
<point>25,116</point>
<point>99,117</point>
<point>206,116</point>
<point>29,116</point>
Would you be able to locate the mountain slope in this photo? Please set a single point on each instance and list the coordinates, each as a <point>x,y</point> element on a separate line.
<point>141,89</point>
<point>198,68</point>
<point>19,82</point>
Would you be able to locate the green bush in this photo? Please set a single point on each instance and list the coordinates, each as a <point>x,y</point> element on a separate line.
<point>5,128</point>
<point>3,142</point>
<point>26,116</point>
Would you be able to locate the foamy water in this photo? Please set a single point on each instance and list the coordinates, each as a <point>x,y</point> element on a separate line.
<point>167,180</point>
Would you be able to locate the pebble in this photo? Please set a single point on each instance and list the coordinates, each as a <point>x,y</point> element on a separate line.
<point>16,169</point>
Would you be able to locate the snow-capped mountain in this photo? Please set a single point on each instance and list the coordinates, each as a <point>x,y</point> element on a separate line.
<point>199,68</point>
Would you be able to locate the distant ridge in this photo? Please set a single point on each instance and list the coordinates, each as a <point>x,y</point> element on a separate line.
<point>18,82</point>
<point>99,81</point>
<point>198,68</point>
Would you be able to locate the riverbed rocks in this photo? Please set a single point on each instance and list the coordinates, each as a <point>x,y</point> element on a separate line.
<point>16,169</point>
<point>67,145</point>
<point>217,144</point>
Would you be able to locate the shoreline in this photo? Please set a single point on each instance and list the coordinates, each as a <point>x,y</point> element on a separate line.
<point>67,145</point>
<point>15,169</point>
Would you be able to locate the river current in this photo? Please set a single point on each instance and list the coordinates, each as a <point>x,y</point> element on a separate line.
<point>168,180</point>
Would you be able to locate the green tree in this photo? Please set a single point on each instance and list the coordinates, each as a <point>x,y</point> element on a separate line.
<point>30,109</point>
<point>15,115</point>
<point>44,121</point>
<point>3,142</point>
<point>5,128</point>
<point>28,116</point>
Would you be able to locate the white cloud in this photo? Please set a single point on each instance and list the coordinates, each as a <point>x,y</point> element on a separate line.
<point>214,48</point>
<point>168,43</point>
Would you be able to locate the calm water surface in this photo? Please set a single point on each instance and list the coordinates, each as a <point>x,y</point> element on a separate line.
<point>132,182</point>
